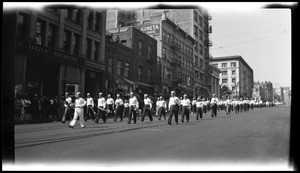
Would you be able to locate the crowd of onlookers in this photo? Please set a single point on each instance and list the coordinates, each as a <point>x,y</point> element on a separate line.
<point>37,109</point>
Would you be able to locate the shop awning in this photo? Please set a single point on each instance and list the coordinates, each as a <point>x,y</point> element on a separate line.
<point>145,88</point>
<point>128,81</point>
<point>202,92</point>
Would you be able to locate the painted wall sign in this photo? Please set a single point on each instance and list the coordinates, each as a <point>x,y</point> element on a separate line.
<point>150,29</point>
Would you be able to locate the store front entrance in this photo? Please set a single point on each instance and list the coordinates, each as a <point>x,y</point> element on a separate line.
<point>42,77</point>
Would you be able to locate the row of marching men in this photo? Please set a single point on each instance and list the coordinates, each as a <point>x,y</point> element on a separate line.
<point>108,107</point>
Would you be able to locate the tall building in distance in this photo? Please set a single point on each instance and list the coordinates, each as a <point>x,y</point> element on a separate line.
<point>236,74</point>
<point>195,22</point>
<point>60,50</point>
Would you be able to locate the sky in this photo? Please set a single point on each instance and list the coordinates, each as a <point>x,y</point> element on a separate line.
<point>261,36</point>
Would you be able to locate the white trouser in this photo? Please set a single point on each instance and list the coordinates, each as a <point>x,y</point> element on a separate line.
<point>78,112</point>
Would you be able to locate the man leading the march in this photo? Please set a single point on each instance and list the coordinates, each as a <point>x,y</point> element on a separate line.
<point>214,106</point>
<point>173,107</point>
<point>147,108</point>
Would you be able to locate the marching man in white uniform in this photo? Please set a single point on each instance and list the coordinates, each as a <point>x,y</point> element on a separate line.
<point>133,106</point>
<point>147,108</point>
<point>79,104</point>
<point>173,107</point>
<point>199,107</point>
<point>162,107</point>
<point>186,107</point>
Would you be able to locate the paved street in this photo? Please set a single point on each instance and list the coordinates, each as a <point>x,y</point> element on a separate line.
<point>259,136</point>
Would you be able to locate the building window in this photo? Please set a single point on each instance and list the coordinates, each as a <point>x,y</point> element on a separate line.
<point>195,16</point>
<point>224,73</point>
<point>22,24</point>
<point>164,36</point>
<point>188,81</point>
<point>164,53</point>
<point>201,63</point>
<point>53,10</point>
<point>224,64</point>
<point>196,61</point>
<point>69,14</point>
<point>233,64</point>
<point>90,19</point>
<point>233,72</point>
<point>168,38</point>
<point>110,65</point>
<point>163,71</point>
<point>200,35</point>
<point>149,75</point>
<point>201,21</point>
<point>196,48</point>
<point>196,73</point>
<point>140,47</point>
<point>88,48</point>
<point>140,70</point>
<point>76,44</point>
<point>67,41</point>
<point>233,80</point>
<point>52,33</point>
<point>98,21</point>
<point>201,77</point>
<point>201,49</point>
<point>215,65</point>
<point>77,15</point>
<point>40,32</point>
<point>119,67</point>
<point>169,73</point>
<point>126,69</point>
<point>149,52</point>
<point>195,31</point>
<point>224,81</point>
<point>96,50</point>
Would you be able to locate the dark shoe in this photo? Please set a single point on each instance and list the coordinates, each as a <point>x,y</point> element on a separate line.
<point>71,126</point>
<point>128,122</point>
<point>83,127</point>
<point>169,123</point>
<point>159,119</point>
<point>63,122</point>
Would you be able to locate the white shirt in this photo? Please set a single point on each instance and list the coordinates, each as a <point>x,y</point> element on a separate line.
<point>119,102</point>
<point>102,102</point>
<point>194,102</point>
<point>173,101</point>
<point>90,101</point>
<point>185,102</point>
<point>161,103</point>
<point>148,101</point>
<point>214,100</point>
<point>126,105</point>
<point>199,104</point>
<point>69,101</point>
<point>227,102</point>
<point>79,103</point>
<point>110,101</point>
<point>133,102</point>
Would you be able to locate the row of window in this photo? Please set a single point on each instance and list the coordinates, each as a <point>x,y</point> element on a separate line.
<point>171,40</point>
<point>224,73</point>
<point>123,68</point>
<point>197,63</point>
<point>48,36</point>
<point>196,17</point>
<point>149,51</point>
<point>168,73</point>
<point>141,76</point>
<point>224,65</point>
<point>199,48</point>
<point>196,32</point>
<point>225,80</point>
<point>199,75</point>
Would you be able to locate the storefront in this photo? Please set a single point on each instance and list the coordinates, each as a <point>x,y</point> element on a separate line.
<point>46,72</point>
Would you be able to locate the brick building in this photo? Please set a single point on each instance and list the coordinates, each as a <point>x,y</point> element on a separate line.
<point>144,71</point>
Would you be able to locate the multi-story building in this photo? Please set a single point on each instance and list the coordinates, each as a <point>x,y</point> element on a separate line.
<point>59,50</point>
<point>175,54</point>
<point>258,92</point>
<point>214,85</point>
<point>193,21</point>
<point>144,71</point>
<point>277,95</point>
<point>236,74</point>
<point>268,91</point>
<point>119,68</point>
<point>286,95</point>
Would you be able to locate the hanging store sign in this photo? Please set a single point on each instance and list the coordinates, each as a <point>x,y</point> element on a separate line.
<point>150,29</point>
<point>36,49</point>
